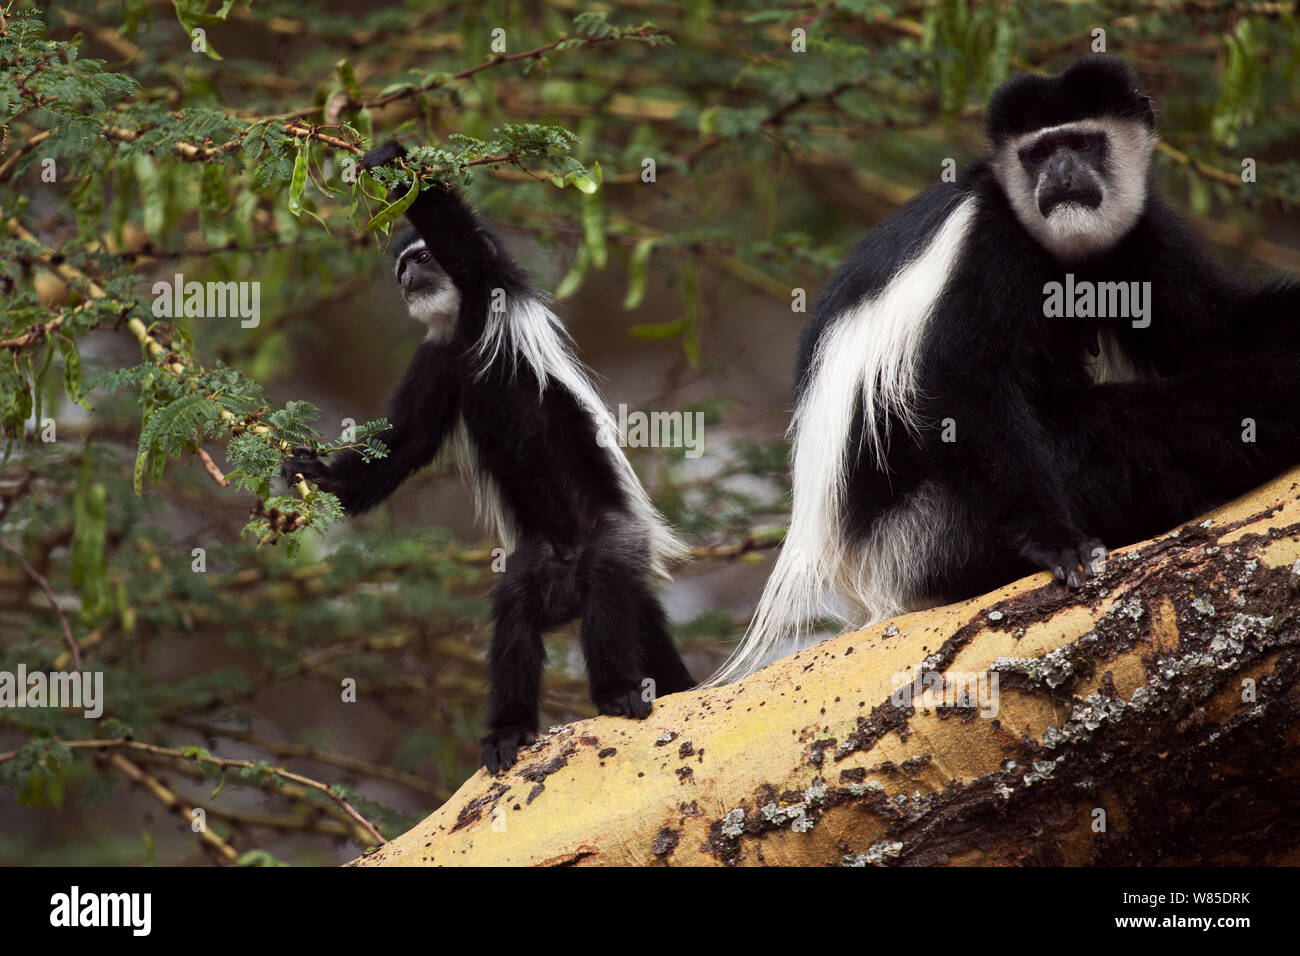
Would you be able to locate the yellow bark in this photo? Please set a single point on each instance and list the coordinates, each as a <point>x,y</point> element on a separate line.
<point>1152,717</point>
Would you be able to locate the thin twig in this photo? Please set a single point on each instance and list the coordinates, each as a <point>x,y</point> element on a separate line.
<point>224,762</point>
<point>223,851</point>
<point>44,585</point>
<point>342,761</point>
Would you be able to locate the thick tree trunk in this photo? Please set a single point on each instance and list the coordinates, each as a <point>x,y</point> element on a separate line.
<point>1153,717</point>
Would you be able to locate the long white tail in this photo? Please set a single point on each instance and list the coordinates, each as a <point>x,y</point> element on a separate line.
<point>871,353</point>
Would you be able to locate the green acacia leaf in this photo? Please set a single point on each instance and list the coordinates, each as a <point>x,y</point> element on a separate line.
<point>152,194</point>
<point>593,229</point>
<point>394,210</point>
<point>89,572</point>
<point>298,184</point>
<point>571,282</point>
<point>348,78</point>
<point>658,331</point>
<point>637,269</point>
<point>71,370</point>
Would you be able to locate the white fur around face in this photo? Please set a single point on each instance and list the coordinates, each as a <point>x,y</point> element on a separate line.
<point>437,309</point>
<point>872,353</point>
<point>1070,231</point>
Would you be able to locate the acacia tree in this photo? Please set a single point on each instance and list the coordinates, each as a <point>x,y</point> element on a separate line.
<point>703,171</point>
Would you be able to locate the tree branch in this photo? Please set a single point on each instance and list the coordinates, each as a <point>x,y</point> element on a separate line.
<point>1149,718</point>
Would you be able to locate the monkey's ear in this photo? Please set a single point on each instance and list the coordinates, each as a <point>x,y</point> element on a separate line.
<point>382,155</point>
<point>490,240</point>
<point>1150,109</point>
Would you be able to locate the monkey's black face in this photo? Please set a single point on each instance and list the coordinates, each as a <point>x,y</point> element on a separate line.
<point>1077,188</point>
<point>1072,154</point>
<point>1068,167</point>
<point>431,296</point>
<point>418,271</point>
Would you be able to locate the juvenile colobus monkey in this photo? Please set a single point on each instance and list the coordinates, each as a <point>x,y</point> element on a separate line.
<point>498,372</point>
<point>952,431</point>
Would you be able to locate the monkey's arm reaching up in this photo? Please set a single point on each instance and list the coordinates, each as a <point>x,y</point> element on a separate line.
<point>462,245</point>
<point>421,414</point>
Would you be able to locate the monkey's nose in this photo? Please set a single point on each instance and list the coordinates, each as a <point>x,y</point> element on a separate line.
<point>1061,168</point>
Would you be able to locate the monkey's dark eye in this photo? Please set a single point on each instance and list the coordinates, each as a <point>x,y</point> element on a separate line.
<point>422,256</point>
<point>1040,152</point>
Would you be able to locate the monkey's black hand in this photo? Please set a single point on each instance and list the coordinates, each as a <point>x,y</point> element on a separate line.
<point>499,749</point>
<point>304,463</point>
<point>1073,563</point>
<point>383,154</point>
<point>625,703</point>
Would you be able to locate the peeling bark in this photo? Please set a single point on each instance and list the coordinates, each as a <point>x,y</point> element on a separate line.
<point>1152,717</point>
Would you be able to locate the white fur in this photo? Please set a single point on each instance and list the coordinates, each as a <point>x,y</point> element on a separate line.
<point>1112,363</point>
<point>919,531</point>
<point>487,495</point>
<point>527,331</point>
<point>437,309</point>
<point>1071,231</point>
<point>872,351</point>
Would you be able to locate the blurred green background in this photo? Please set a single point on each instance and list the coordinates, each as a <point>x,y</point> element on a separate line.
<point>135,148</point>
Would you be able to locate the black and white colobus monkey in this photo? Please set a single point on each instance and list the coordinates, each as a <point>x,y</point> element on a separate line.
<point>497,374</point>
<point>950,435</point>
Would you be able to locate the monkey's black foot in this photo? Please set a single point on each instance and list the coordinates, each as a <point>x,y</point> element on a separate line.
<point>1072,564</point>
<point>673,679</point>
<point>499,749</point>
<point>382,154</point>
<point>625,703</point>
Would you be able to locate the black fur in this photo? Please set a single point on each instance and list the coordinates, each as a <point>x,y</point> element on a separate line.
<point>872,263</point>
<point>581,552</point>
<point>1092,87</point>
<point>1047,465</point>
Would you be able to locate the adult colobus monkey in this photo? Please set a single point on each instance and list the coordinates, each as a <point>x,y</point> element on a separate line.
<point>498,370</point>
<point>952,431</point>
